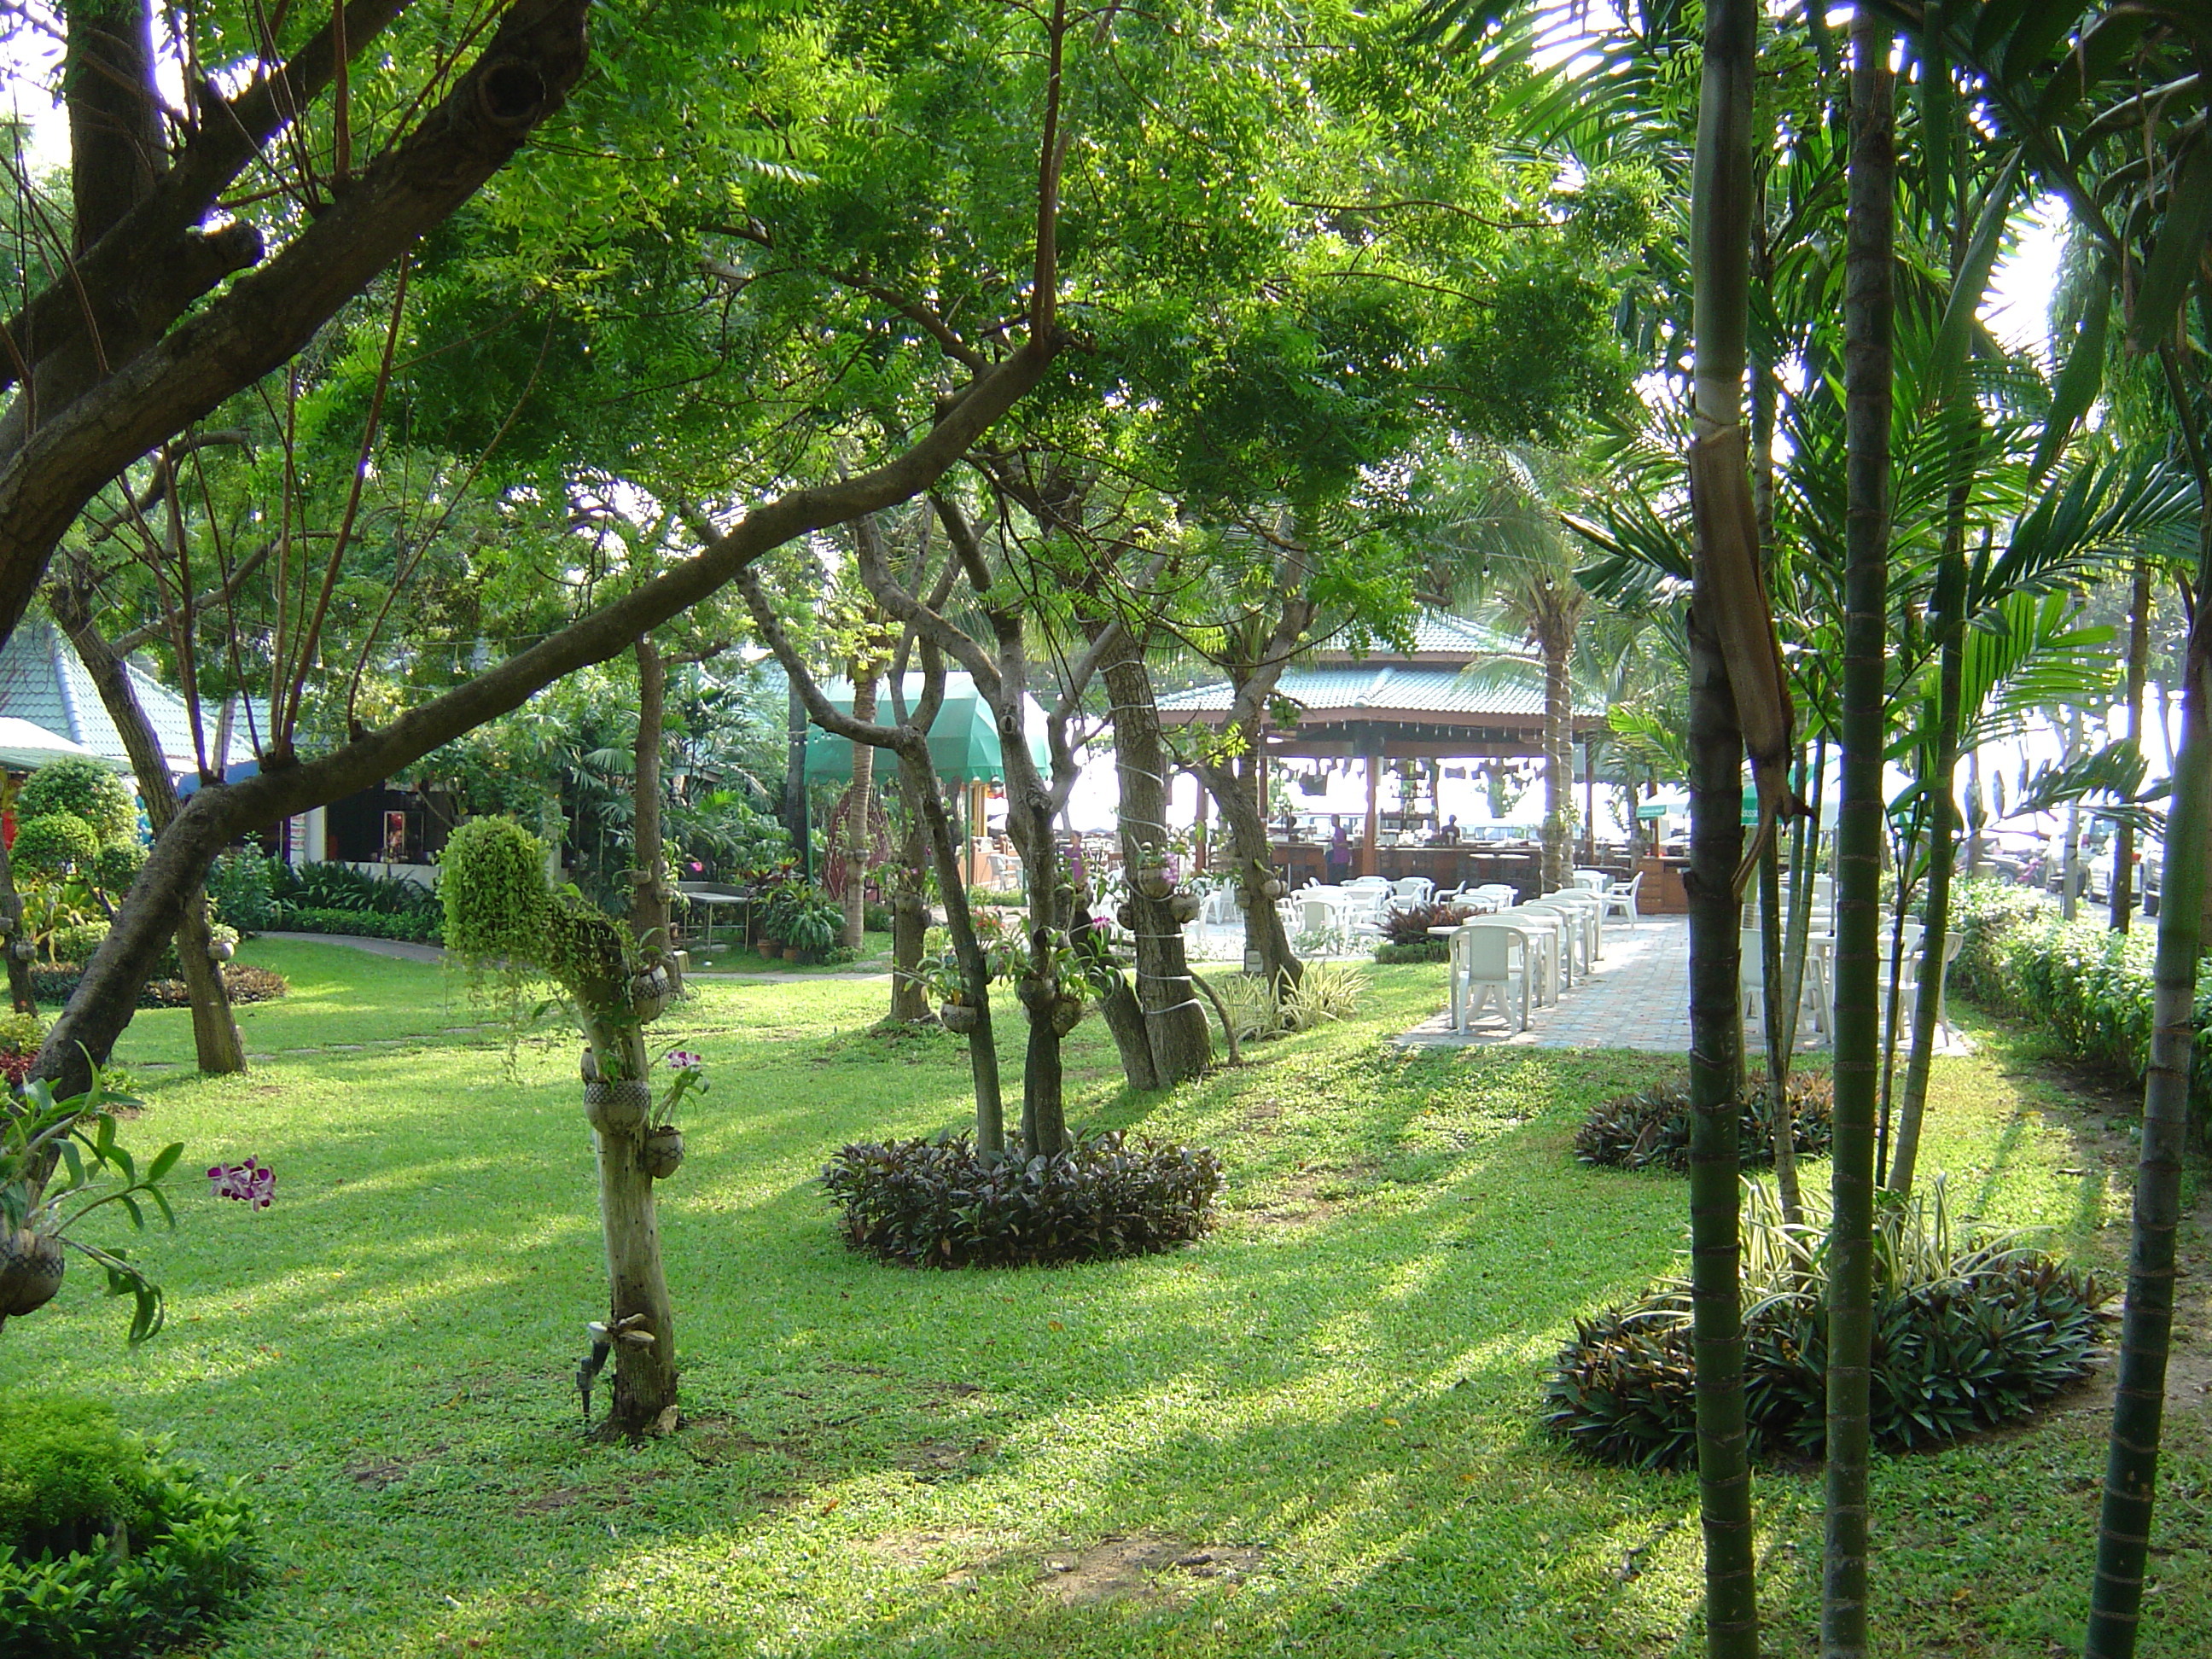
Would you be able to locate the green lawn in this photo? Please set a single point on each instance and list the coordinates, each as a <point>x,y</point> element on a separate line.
<point>1332,1394</point>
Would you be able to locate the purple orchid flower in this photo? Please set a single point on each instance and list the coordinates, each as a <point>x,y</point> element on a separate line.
<point>249,1183</point>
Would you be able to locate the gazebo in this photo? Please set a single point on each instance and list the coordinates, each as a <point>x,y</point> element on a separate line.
<point>964,746</point>
<point>1463,691</point>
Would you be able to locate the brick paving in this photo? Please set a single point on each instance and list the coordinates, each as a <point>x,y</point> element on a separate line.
<point>1637,998</point>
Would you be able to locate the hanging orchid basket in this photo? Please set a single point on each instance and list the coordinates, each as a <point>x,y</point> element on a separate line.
<point>958,1017</point>
<point>31,1267</point>
<point>664,1151</point>
<point>1185,907</point>
<point>1153,881</point>
<point>1067,1014</point>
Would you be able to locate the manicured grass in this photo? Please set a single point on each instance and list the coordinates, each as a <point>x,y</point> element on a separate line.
<point>886,1461</point>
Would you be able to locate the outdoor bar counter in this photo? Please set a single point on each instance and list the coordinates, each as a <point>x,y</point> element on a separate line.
<point>1471,864</point>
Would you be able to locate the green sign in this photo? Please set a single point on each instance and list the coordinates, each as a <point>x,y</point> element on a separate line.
<point>1649,811</point>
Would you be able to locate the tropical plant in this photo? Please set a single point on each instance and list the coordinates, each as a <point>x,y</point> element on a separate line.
<point>943,1204</point>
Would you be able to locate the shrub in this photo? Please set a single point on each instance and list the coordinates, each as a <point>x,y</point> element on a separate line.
<point>1412,926</point>
<point>1984,911</point>
<point>1429,950</point>
<point>1007,897</point>
<point>54,844</point>
<point>77,941</point>
<point>1969,1331</point>
<point>108,1544</point>
<point>116,866</point>
<point>19,1038</point>
<point>941,1204</point>
<point>84,789</point>
<point>242,887</point>
<point>1652,1125</point>
<point>332,886</point>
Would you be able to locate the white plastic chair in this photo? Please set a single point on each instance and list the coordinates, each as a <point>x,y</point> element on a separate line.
<point>1574,939</point>
<point>1546,932</point>
<point>1487,960</point>
<point>1506,896</point>
<point>1413,889</point>
<point>1620,899</point>
<point>1593,881</point>
<point>1591,907</point>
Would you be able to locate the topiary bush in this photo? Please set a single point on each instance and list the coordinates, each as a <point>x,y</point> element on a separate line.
<point>85,790</point>
<point>54,845</point>
<point>941,1204</point>
<point>1429,950</point>
<point>109,1546</point>
<point>1652,1125</point>
<point>1971,1331</point>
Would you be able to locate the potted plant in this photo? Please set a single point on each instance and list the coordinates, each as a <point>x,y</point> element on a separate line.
<point>664,1141</point>
<point>813,931</point>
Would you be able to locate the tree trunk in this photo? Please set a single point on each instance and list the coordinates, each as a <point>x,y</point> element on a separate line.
<point>648,901</point>
<point>794,781</point>
<point>919,782</point>
<point>2146,1323</point>
<point>1868,323</point>
<point>1174,1019</point>
<point>1029,823</point>
<point>215,1042</point>
<point>859,811</point>
<point>1942,847</point>
<point>909,914</point>
<point>1235,788</point>
<point>1720,238</point>
<point>1558,644</point>
<point>618,1103</point>
<point>11,930</point>
<point>2123,839</point>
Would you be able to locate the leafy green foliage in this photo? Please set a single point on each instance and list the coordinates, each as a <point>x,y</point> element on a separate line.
<point>335,886</point>
<point>55,845</point>
<point>1429,950</point>
<point>1327,992</point>
<point>84,789</point>
<point>941,1204</point>
<point>241,886</point>
<point>1969,1331</point>
<point>2088,989</point>
<point>109,1545</point>
<point>1984,912</point>
<point>1652,1125</point>
<point>116,866</point>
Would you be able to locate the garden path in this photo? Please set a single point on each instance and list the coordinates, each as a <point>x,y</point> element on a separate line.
<point>1637,998</point>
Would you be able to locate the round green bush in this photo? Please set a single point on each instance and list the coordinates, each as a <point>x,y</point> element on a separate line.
<point>242,888</point>
<point>116,866</point>
<point>942,1204</point>
<point>109,1545</point>
<point>54,844</point>
<point>1969,1331</point>
<point>84,789</point>
<point>1652,1125</point>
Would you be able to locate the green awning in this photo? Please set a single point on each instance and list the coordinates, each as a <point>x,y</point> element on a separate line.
<point>964,740</point>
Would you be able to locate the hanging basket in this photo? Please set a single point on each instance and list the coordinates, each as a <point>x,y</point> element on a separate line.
<point>616,1104</point>
<point>1154,881</point>
<point>958,1017</point>
<point>1185,907</point>
<point>31,1267</point>
<point>664,1151</point>
<point>1067,1014</point>
<point>222,949</point>
<point>1271,888</point>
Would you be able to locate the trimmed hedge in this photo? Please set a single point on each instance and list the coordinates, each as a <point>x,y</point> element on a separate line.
<point>2087,986</point>
<point>941,1204</point>
<point>416,926</point>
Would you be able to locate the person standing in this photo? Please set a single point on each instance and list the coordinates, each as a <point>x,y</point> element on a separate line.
<point>1339,856</point>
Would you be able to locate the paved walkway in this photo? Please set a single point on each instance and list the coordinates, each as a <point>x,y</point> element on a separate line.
<point>1637,998</point>
<point>405,950</point>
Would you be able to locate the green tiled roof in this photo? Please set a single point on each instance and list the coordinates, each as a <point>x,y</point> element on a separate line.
<point>42,681</point>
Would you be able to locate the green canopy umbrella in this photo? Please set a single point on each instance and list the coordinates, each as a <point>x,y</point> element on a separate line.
<point>964,740</point>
